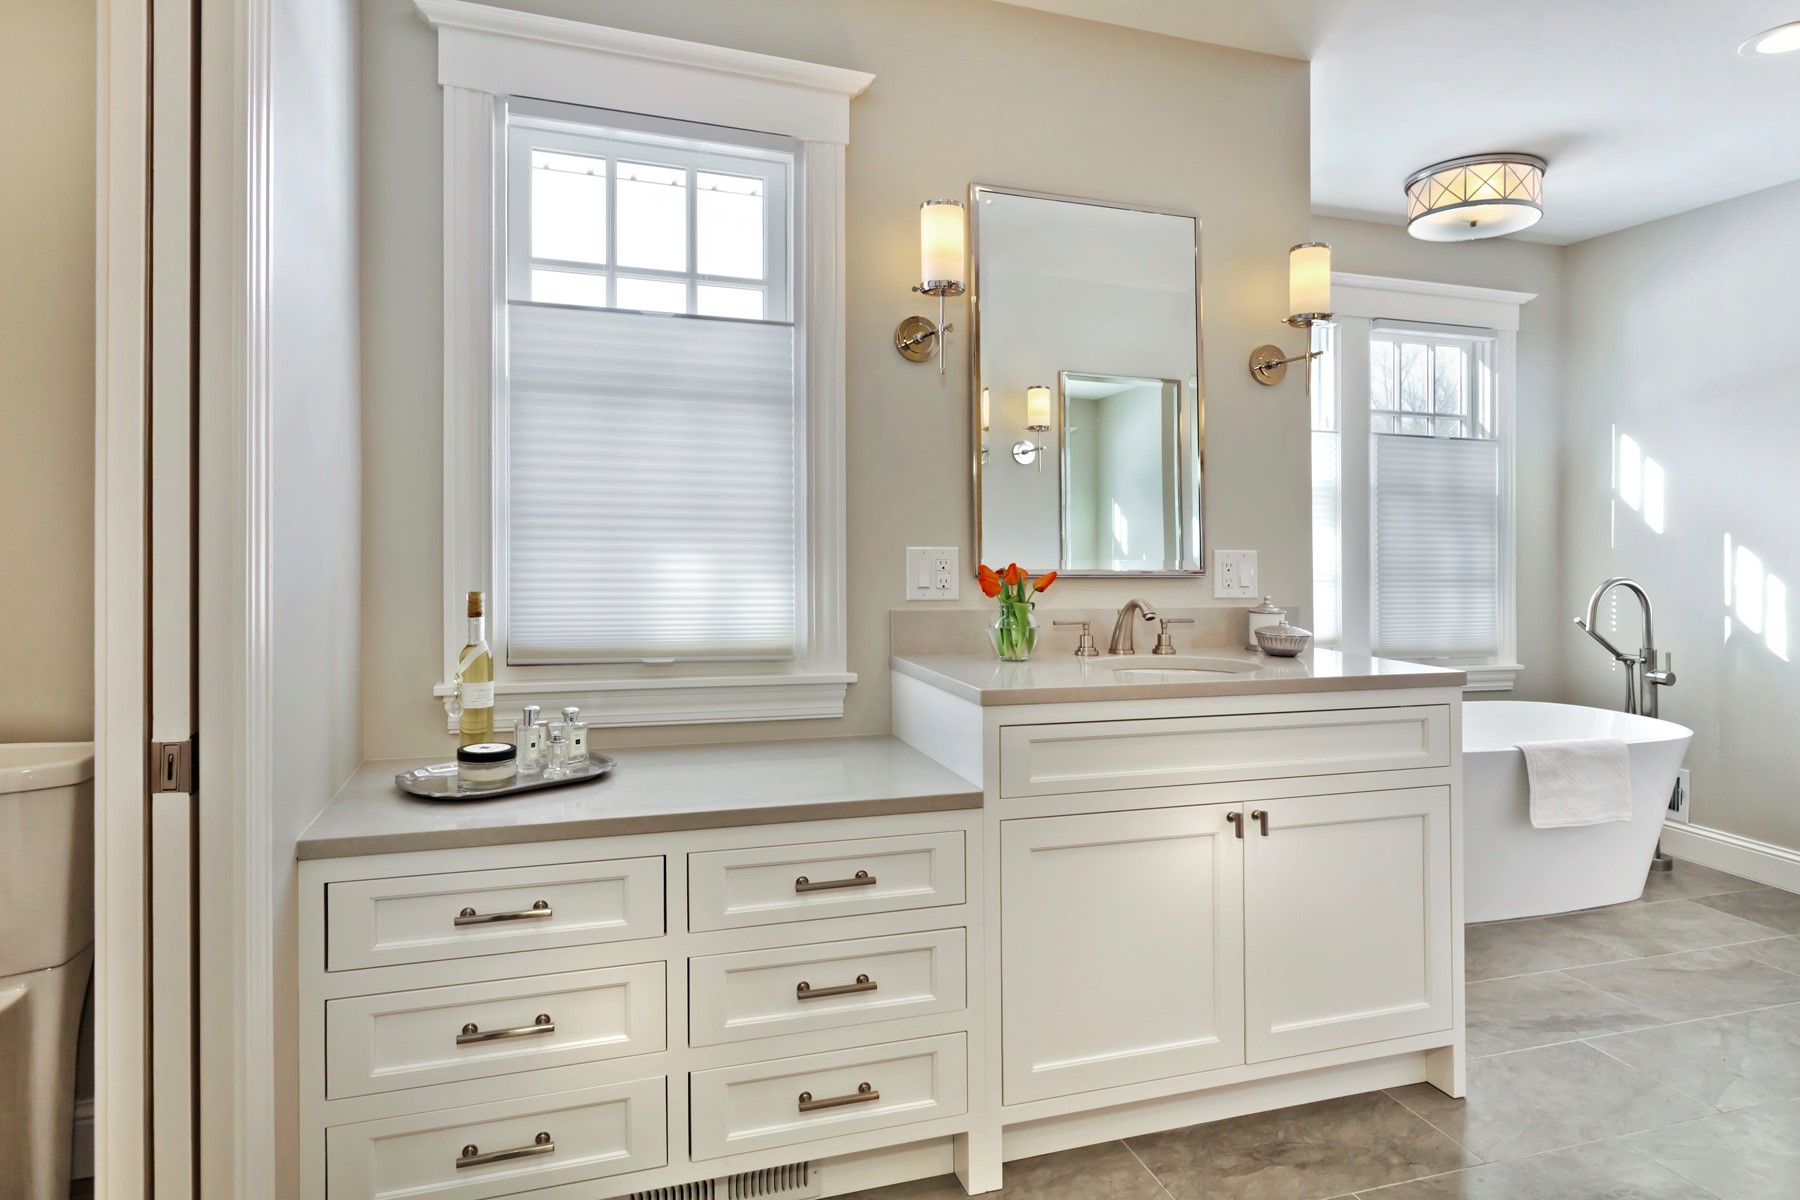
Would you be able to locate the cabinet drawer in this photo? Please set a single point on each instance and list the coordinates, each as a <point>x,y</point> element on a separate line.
<point>828,1095</point>
<point>1094,756</point>
<point>473,1030</point>
<point>767,885</point>
<point>420,918</point>
<point>764,993</point>
<point>462,1153</point>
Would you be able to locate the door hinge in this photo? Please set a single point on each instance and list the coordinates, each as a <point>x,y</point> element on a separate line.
<point>172,767</point>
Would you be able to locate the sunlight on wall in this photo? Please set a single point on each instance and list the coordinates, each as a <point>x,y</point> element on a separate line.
<point>1756,598</point>
<point>1639,481</point>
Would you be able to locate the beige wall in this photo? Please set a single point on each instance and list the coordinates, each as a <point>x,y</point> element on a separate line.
<point>966,92</point>
<point>1680,335</point>
<point>47,370</point>
<point>1365,248</point>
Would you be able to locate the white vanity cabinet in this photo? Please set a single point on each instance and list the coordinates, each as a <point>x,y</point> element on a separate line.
<point>1205,900</point>
<point>1122,948</point>
<point>1348,933</point>
<point>638,1014</point>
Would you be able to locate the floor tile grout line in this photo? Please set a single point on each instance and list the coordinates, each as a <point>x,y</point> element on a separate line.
<point>1631,958</point>
<point>1452,1138</point>
<point>1716,1110</point>
<point>1154,1177</point>
<point>1644,1157</point>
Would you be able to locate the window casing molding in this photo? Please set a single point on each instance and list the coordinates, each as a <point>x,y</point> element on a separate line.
<point>1360,300</point>
<point>485,56</point>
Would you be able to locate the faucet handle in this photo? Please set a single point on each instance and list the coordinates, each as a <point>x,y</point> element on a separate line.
<point>1664,675</point>
<point>1085,648</point>
<point>1164,643</point>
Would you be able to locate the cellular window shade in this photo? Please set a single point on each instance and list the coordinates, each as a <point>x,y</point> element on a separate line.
<point>1327,484</point>
<point>652,487</point>
<point>1435,546</point>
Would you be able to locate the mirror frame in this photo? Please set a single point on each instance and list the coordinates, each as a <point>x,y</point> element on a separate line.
<point>1192,487</point>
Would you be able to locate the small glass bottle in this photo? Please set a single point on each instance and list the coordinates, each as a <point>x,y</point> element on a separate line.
<point>575,732</point>
<point>557,755</point>
<point>530,740</point>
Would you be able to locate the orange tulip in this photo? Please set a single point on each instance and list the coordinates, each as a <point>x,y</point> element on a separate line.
<point>1014,575</point>
<point>990,582</point>
<point>1045,580</point>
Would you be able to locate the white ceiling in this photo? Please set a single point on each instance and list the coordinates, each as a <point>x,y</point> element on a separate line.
<point>1644,108</point>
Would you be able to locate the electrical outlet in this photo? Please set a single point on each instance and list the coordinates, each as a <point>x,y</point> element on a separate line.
<point>932,573</point>
<point>1234,574</point>
<point>1681,801</point>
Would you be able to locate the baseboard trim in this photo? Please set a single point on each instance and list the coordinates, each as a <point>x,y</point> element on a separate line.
<point>1776,866</point>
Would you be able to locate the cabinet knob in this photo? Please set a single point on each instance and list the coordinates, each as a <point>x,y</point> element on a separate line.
<point>1262,819</point>
<point>1237,823</point>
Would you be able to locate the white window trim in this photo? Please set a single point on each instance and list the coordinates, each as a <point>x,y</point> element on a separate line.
<point>1375,297</point>
<point>488,54</point>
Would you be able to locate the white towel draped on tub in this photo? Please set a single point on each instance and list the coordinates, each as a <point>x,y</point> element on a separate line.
<point>1578,783</point>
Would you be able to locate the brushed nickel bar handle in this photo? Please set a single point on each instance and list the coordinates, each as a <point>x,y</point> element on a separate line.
<point>472,1033</point>
<point>473,1157</point>
<point>860,879</point>
<point>806,991</point>
<point>469,916</point>
<point>1261,818</point>
<point>1236,820</point>
<point>863,1094</point>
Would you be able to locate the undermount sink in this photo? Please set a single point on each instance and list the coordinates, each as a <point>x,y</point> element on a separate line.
<point>1171,668</point>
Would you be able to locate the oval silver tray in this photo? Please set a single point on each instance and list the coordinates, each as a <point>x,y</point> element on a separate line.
<point>439,782</point>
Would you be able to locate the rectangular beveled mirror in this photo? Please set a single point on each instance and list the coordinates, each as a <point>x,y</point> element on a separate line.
<point>1088,415</point>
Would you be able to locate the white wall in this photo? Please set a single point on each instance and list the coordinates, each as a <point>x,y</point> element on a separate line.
<point>1366,248</point>
<point>1680,334</point>
<point>315,339</point>
<point>949,106</point>
<point>47,370</point>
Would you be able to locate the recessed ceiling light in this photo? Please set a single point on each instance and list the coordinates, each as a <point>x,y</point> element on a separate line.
<point>1783,39</point>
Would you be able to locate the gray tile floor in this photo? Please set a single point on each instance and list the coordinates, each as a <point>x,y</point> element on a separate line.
<point>1645,1052</point>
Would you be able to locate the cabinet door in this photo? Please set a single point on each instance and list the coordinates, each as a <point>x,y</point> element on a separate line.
<point>1347,920</point>
<point>1121,948</point>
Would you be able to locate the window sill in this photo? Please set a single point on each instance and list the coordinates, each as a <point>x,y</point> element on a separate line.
<point>1491,677</point>
<point>693,701</point>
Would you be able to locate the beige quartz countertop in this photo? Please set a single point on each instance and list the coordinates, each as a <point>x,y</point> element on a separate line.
<point>1062,679</point>
<point>650,791</point>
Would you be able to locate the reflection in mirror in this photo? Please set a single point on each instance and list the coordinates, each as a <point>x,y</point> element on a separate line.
<point>1120,438</point>
<point>1097,305</point>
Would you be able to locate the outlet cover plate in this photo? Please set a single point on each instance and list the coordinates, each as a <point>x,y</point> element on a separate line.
<point>1234,574</point>
<point>933,573</point>
<point>1681,804</point>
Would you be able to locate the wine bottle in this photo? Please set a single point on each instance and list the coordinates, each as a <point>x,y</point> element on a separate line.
<point>475,678</point>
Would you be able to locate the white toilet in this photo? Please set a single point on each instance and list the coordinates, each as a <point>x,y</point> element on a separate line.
<point>46,956</point>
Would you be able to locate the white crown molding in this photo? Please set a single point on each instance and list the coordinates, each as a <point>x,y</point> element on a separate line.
<point>1380,297</point>
<point>511,53</point>
<point>1427,287</point>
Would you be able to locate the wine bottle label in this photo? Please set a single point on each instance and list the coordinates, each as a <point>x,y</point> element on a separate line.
<point>477,695</point>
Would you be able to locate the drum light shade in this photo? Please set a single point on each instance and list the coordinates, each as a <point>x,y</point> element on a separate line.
<point>1309,283</point>
<point>1037,407</point>
<point>1482,196</point>
<point>942,234</point>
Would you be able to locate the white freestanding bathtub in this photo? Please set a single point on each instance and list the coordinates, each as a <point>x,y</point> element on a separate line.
<point>1512,869</point>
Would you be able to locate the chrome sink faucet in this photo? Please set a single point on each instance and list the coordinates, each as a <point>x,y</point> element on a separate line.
<point>1644,671</point>
<point>1122,633</point>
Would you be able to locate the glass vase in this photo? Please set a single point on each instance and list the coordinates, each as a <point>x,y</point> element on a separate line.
<point>1014,632</point>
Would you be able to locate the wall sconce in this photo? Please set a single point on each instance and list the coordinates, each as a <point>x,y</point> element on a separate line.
<point>943,233</point>
<point>1037,420</point>
<point>1309,302</point>
<point>985,410</point>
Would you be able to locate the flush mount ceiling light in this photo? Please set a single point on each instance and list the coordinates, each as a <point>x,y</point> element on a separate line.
<point>1783,39</point>
<point>1481,196</point>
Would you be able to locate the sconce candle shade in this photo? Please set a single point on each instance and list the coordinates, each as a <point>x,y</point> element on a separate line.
<point>984,410</point>
<point>1309,284</point>
<point>1482,196</point>
<point>943,242</point>
<point>1037,407</point>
